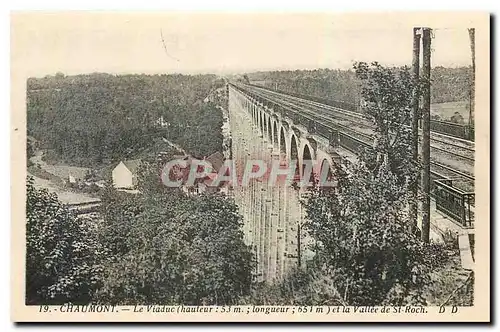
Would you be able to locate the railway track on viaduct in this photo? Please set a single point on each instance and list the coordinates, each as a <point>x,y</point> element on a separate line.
<point>451,158</point>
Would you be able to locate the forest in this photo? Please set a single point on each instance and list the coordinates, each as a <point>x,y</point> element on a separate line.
<point>96,119</point>
<point>448,84</point>
<point>157,247</point>
<point>163,246</point>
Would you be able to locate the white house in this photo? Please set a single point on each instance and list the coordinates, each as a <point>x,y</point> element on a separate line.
<point>71,179</point>
<point>161,122</point>
<point>125,174</point>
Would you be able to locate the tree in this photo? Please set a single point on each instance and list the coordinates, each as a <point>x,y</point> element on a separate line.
<point>363,242</point>
<point>387,96</point>
<point>62,258</point>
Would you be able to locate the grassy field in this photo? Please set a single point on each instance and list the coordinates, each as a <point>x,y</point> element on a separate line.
<point>43,174</point>
<point>450,284</point>
<point>446,110</point>
<point>53,177</point>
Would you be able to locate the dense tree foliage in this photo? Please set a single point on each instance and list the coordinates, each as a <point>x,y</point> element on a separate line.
<point>62,252</point>
<point>448,84</point>
<point>91,119</point>
<point>364,253</point>
<point>363,239</point>
<point>160,246</point>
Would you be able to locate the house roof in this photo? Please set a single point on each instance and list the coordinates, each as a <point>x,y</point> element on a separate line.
<point>132,164</point>
<point>179,156</point>
<point>212,177</point>
<point>216,159</point>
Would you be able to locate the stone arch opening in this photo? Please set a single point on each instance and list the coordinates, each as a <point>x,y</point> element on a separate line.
<point>307,171</point>
<point>261,122</point>
<point>264,130</point>
<point>275,132</point>
<point>268,130</point>
<point>282,147</point>
<point>282,141</point>
<point>326,175</point>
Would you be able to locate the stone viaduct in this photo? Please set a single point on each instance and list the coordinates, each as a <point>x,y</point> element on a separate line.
<point>273,215</point>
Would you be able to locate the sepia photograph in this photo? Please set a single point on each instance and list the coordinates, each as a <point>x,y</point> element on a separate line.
<point>176,166</point>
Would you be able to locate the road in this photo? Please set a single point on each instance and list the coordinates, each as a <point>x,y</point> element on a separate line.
<point>65,195</point>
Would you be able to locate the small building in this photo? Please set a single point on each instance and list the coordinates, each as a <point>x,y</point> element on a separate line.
<point>161,122</point>
<point>125,174</point>
<point>71,179</point>
<point>205,184</point>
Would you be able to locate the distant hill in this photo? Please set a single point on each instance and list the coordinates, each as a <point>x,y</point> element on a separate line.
<point>91,120</point>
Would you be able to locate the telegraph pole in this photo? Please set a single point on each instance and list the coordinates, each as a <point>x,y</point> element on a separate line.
<point>426,133</point>
<point>299,253</point>
<point>414,129</point>
<point>472,101</point>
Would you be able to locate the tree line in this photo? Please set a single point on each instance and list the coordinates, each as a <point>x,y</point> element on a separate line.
<point>448,84</point>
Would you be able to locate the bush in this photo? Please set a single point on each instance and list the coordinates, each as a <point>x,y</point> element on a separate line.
<point>62,257</point>
<point>450,240</point>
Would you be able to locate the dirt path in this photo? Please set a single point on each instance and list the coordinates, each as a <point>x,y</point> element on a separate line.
<point>175,146</point>
<point>65,195</point>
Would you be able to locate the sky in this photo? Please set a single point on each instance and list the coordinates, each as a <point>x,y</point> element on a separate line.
<point>73,43</point>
